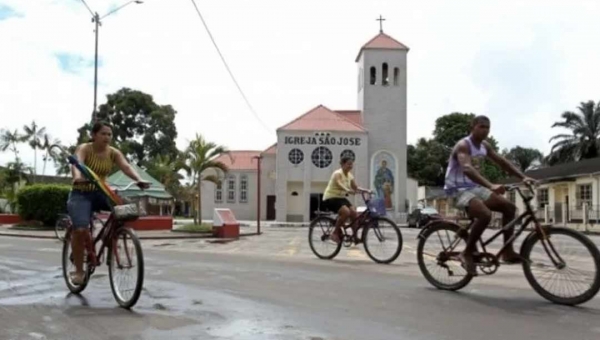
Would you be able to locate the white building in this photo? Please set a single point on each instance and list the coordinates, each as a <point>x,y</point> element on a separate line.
<point>296,169</point>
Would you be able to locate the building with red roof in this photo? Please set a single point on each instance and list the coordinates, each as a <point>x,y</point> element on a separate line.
<point>296,169</point>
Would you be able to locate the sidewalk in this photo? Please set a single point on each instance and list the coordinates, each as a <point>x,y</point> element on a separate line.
<point>6,230</point>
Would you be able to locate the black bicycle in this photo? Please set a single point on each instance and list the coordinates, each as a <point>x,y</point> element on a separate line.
<point>381,236</point>
<point>554,272</point>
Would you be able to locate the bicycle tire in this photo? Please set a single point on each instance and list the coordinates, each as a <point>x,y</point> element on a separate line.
<point>60,228</point>
<point>366,239</point>
<point>66,258</point>
<point>423,239</point>
<point>311,230</point>
<point>127,304</point>
<point>582,298</point>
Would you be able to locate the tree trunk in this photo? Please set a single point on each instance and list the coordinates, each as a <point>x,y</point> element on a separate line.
<point>34,164</point>
<point>199,201</point>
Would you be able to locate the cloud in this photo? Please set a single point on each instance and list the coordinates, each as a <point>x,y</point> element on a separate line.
<point>7,12</point>
<point>526,62</point>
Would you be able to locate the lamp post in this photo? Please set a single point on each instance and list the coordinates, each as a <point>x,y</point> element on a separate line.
<point>97,20</point>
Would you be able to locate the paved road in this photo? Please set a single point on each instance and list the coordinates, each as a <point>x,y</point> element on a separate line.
<point>272,287</point>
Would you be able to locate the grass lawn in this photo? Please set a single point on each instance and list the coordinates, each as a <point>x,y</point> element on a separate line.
<point>195,228</point>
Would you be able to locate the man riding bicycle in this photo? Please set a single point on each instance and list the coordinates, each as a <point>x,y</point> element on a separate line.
<point>341,184</point>
<point>473,192</point>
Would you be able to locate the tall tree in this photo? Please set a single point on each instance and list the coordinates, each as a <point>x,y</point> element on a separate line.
<point>451,128</point>
<point>583,140</point>
<point>142,129</point>
<point>34,136</point>
<point>60,161</point>
<point>200,157</point>
<point>166,171</point>
<point>524,158</point>
<point>9,141</point>
<point>47,144</point>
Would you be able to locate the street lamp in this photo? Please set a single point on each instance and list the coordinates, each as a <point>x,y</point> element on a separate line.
<point>96,19</point>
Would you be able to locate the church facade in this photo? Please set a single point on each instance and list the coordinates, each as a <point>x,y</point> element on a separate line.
<point>297,168</point>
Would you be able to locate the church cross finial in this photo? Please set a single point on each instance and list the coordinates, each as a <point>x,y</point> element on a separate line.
<point>381,20</point>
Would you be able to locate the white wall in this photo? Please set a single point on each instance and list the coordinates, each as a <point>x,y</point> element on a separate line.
<point>242,211</point>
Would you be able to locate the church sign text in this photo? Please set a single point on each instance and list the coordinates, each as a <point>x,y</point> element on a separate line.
<point>352,141</point>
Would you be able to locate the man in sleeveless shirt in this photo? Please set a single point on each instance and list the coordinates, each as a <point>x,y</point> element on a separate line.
<point>473,192</point>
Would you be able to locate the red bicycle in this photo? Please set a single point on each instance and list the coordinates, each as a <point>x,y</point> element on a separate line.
<point>124,256</point>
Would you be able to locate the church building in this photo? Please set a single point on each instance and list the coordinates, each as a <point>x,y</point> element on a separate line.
<point>296,169</point>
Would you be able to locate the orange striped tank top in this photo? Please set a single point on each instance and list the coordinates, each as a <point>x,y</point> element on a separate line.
<point>101,166</point>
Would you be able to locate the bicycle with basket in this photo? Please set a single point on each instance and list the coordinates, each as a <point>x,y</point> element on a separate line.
<point>123,248</point>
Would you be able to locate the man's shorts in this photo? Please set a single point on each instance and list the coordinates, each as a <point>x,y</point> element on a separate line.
<point>464,196</point>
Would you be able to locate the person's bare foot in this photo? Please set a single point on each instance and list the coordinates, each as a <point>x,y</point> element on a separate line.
<point>468,264</point>
<point>511,257</point>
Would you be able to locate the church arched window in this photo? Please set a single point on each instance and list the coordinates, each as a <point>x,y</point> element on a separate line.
<point>385,80</point>
<point>396,76</point>
<point>373,78</point>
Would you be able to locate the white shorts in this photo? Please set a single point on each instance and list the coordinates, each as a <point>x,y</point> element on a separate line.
<point>464,196</point>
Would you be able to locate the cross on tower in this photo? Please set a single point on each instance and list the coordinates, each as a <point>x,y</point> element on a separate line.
<point>381,20</point>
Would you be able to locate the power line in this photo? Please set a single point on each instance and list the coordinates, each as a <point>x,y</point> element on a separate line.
<point>229,70</point>
<point>88,7</point>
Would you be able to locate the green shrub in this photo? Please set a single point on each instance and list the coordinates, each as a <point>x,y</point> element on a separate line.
<point>42,202</point>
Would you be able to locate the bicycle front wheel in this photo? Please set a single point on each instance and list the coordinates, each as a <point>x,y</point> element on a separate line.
<point>126,267</point>
<point>383,240</point>
<point>564,268</point>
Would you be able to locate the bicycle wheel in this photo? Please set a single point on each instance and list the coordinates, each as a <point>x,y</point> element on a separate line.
<point>444,241</point>
<point>125,257</point>
<point>319,238</point>
<point>60,227</point>
<point>68,266</point>
<point>383,240</point>
<point>574,279</point>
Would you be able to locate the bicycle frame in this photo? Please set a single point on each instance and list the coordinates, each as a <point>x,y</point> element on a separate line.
<point>529,216</point>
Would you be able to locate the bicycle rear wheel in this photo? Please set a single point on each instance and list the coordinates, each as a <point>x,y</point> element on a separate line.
<point>68,266</point>
<point>383,240</point>
<point>437,251</point>
<point>319,239</point>
<point>125,257</point>
<point>574,279</point>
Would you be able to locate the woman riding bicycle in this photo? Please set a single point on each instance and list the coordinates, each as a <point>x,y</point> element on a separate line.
<point>341,184</point>
<point>85,198</point>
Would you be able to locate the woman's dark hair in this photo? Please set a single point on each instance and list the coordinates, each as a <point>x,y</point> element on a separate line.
<point>98,125</point>
<point>345,160</point>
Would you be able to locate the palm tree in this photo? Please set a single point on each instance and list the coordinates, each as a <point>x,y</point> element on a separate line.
<point>9,141</point>
<point>47,144</point>
<point>34,135</point>
<point>525,158</point>
<point>583,141</point>
<point>166,170</point>
<point>200,156</point>
<point>60,160</point>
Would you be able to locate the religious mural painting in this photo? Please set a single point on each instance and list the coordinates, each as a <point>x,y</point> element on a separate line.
<point>383,171</point>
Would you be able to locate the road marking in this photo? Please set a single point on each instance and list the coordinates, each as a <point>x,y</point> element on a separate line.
<point>50,250</point>
<point>293,246</point>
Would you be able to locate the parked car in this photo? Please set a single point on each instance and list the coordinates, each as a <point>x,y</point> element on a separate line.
<point>420,217</point>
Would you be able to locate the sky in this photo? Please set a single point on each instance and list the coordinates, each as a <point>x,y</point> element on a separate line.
<point>522,63</point>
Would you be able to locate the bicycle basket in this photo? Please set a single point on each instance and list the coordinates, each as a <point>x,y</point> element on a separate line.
<point>127,212</point>
<point>377,207</point>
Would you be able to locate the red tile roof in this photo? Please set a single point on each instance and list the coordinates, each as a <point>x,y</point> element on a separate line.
<point>382,41</point>
<point>353,115</point>
<point>271,150</point>
<point>322,119</point>
<point>240,160</point>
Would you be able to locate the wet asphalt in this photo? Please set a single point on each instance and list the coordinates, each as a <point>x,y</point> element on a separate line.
<point>271,287</point>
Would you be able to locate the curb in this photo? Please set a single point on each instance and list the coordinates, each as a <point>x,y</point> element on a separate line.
<point>141,237</point>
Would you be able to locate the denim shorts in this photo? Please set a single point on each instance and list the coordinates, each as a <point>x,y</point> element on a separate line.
<point>464,196</point>
<point>82,204</point>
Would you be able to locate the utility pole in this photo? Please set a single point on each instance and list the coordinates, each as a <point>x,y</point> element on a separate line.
<point>96,20</point>
<point>258,209</point>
